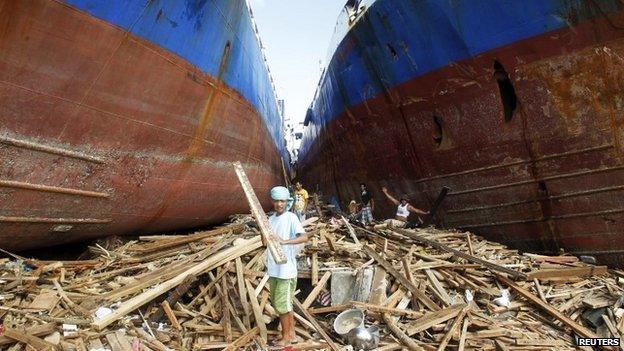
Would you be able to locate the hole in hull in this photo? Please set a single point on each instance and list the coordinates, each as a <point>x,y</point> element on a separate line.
<point>438,131</point>
<point>507,91</point>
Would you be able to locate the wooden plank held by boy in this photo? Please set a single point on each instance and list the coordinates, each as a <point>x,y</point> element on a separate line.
<point>263,222</point>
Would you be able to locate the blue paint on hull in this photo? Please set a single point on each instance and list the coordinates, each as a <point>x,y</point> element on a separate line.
<point>396,41</point>
<point>198,31</point>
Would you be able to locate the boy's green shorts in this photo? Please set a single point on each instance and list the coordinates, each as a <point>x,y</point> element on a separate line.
<point>282,294</point>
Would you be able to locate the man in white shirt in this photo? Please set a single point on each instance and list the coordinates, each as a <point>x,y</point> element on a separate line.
<point>283,277</point>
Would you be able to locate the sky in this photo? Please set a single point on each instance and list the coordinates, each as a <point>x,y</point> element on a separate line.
<point>296,35</point>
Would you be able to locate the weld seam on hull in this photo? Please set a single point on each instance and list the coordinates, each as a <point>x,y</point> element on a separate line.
<point>524,182</point>
<point>524,221</point>
<point>51,189</point>
<point>54,220</point>
<point>49,149</point>
<point>122,117</point>
<point>543,158</point>
<point>556,197</point>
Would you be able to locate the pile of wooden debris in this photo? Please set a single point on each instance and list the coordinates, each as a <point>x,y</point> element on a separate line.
<point>426,289</point>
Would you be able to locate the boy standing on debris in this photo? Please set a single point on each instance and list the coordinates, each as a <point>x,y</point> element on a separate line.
<point>301,201</point>
<point>368,205</point>
<point>283,277</point>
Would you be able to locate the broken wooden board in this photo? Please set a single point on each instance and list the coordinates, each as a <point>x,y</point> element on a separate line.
<point>215,260</point>
<point>275,248</point>
<point>473,259</point>
<point>580,272</point>
<point>549,309</point>
<point>400,277</point>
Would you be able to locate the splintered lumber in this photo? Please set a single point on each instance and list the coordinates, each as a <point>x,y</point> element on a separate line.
<point>314,270</point>
<point>582,272</point>
<point>401,278</point>
<point>579,329</point>
<point>217,275</point>
<point>243,340</point>
<point>330,241</point>
<point>456,323</point>
<point>70,303</point>
<point>29,339</point>
<point>403,338</point>
<point>169,313</point>
<point>257,312</point>
<point>40,330</point>
<point>470,258</point>
<point>350,229</point>
<point>118,341</point>
<point>386,310</point>
<point>437,288</point>
<point>213,261</point>
<point>185,239</point>
<point>225,311</point>
<point>242,290</point>
<point>462,336</point>
<point>430,319</point>
<point>175,296</point>
<point>263,223</point>
<point>316,325</point>
<point>539,342</point>
<point>317,289</point>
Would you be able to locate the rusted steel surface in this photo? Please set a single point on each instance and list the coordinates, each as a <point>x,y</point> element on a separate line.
<point>549,178</point>
<point>100,133</point>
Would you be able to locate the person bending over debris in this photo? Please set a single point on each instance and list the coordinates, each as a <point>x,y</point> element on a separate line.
<point>368,205</point>
<point>301,201</point>
<point>283,277</point>
<point>403,211</point>
<point>354,214</point>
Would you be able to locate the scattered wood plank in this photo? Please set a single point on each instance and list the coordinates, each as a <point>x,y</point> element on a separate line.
<point>263,223</point>
<point>430,319</point>
<point>316,325</point>
<point>403,338</point>
<point>39,330</point>
<point>401,278</point>
<point>257,312</point>
<point>29,339</point>
<point>243,340</point>
<point>470,258</point>
<point>549,309</point>
<point>169,313</point>
<point>143,298</point>
<point>317,290</point>
<point>581,272</point>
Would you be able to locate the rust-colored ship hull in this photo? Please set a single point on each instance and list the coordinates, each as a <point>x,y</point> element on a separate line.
<point>541,172</point>
<point>106,129</point>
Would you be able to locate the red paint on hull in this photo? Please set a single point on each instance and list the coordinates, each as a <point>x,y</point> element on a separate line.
<point>551,178</point>
<point>97,128</point>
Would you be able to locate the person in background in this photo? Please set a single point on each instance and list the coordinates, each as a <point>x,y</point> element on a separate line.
<point>368,205</point>
<point>354,214</point>
<point>301,201</point>
<point>283,277</point>
<point>403,211</point>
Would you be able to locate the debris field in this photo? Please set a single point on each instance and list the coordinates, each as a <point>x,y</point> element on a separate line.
<point>426,289</point>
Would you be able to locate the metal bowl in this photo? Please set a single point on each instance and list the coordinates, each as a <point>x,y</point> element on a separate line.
<point>348,320</point>
<point>364,338</point>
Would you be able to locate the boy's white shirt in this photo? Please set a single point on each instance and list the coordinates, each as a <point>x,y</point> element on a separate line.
<point>286,226</point>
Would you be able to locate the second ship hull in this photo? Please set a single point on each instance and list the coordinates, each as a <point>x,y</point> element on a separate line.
<point>548,176</point>
<point>125,118</point>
